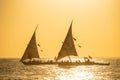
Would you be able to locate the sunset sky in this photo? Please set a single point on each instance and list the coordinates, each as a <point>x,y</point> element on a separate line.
<point>96,26</point>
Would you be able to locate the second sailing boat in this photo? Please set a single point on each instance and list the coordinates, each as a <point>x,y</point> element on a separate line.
<point>68,49</point>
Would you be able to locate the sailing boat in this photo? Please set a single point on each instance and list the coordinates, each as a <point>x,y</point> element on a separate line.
<point>31,55</point>
<point>68,49</point>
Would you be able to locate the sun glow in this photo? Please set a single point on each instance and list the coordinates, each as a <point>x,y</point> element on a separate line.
<point>96,26</point>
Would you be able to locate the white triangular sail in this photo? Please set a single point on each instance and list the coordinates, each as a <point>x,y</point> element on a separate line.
<point>31,50</point>
<point>68,47</point>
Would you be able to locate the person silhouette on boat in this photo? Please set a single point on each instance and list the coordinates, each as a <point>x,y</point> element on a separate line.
<point>86,59</point>
<point>55,58</point>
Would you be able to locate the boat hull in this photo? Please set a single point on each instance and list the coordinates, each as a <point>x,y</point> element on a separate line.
<point>81,63</point>
<point>65,63</point>
<point>38,63</point>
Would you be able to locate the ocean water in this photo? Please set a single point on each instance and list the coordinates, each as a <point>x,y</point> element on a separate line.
<point>12,69</point>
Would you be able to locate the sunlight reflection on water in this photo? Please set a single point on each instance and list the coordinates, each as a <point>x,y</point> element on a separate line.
<point>74,74</point>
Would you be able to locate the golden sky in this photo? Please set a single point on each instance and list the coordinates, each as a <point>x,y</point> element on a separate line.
<point>96,26</point>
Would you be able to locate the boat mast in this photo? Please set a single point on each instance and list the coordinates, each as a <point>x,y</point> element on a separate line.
<point>36,27</point>
<point>69,58</point>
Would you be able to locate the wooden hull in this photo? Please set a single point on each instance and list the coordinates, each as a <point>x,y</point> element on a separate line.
<point>64,63</point>
<point>38,63</point>
<point>81,63</point>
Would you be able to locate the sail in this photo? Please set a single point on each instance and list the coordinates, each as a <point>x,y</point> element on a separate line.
<point>31,50</point>
<point>68,47</point>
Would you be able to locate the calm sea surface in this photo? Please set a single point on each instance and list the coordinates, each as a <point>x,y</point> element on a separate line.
<point>12,69</point>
